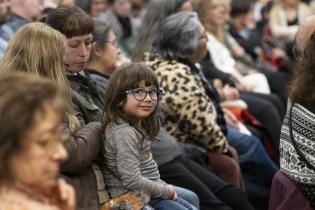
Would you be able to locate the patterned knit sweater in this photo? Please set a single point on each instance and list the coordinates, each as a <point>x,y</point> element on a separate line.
<point>303,126</point>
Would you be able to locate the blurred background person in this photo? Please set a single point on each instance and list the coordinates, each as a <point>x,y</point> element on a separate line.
<point>121,20</point>
<point>4,11</point>
<point>22,12</point>
<point>104,55</point>
<point>31,145</point>
<point>93,7</point>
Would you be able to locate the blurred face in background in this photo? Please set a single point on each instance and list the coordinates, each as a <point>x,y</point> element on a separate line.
<point>33,8</point>
<point>122,8</point>
<point>4,10</point>
<point>219,12</point>
<point>109,54</point>
<point>36,165</point>
<point>201,50</point>
<point>186,7</point>
<point>291,3</point>
<point>98,7</point>
<point>249,20</point>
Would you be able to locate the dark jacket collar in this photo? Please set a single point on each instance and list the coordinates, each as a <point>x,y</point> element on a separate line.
<point>93,71</point>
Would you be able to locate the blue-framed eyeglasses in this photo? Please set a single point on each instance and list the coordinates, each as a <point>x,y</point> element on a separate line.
<point>140,94</point>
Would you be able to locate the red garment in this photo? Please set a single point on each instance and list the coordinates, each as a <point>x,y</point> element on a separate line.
<point>285,195</point>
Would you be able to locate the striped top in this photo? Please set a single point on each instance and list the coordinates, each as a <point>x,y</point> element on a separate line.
<point>128,163</point>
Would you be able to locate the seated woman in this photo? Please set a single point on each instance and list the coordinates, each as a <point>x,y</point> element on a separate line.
<point>104,55</point>
<point>30,158</point>
<point>34,56</point>
<point>123,24</point>
<point>285,17</point>
<point>263,106</point>
<point>297,133</point>
<point>190,102</point>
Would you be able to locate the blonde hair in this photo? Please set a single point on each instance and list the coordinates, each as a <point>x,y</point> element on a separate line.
<point>204,9</point>
<point>38,49</point>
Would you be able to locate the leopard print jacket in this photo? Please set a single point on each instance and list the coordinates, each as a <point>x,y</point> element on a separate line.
<point>189,113</point>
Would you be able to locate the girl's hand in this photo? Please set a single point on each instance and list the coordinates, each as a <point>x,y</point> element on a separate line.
<point>65,196</point>
<point>173,195</point>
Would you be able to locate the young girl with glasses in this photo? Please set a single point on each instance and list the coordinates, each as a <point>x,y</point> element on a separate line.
<point>131,123</point>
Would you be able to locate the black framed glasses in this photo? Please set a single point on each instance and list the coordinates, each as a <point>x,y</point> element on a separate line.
<point>140,94</point>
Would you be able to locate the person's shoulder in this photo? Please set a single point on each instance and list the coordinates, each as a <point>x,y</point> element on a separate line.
<point>15,22</point>
<point>108,16</point>
<point>305,108</point>
<point>121,133</point>
<point>120,128</point>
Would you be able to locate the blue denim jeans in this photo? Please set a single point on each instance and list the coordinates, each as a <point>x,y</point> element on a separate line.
<point>186,200</point>
<point>252,154</point>
<point>163,204</point>
<point>257,167</point>
<point>189,196</point>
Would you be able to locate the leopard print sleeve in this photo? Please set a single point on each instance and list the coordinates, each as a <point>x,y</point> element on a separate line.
<point>190,114</point>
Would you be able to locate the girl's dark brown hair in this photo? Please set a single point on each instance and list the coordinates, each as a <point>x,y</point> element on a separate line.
<point>70,20</point>
<point>129,76</point>
<point>302,87</point>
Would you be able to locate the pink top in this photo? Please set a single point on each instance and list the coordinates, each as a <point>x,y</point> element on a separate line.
<point>12,199</point>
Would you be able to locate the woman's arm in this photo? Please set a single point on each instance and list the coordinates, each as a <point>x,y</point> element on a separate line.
<point>83,148</point>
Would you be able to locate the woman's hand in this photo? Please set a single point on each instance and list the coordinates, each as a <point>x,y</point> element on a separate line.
<point>65,196</point>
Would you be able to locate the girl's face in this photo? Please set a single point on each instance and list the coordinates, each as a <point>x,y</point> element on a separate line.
<point>78,53</point>
<point>141,102</point>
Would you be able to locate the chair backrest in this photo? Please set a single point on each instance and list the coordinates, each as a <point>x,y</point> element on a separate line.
<point>285,194</point>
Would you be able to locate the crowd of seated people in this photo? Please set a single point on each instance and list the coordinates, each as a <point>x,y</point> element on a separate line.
<point>155,104</point>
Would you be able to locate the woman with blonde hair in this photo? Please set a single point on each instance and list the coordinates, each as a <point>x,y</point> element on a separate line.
<point>263,106</point>
<point>285,17</point>
<point>46,60</point>
<point>38,49</point>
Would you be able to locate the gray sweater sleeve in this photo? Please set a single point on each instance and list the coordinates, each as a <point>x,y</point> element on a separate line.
<point>128,149</point>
